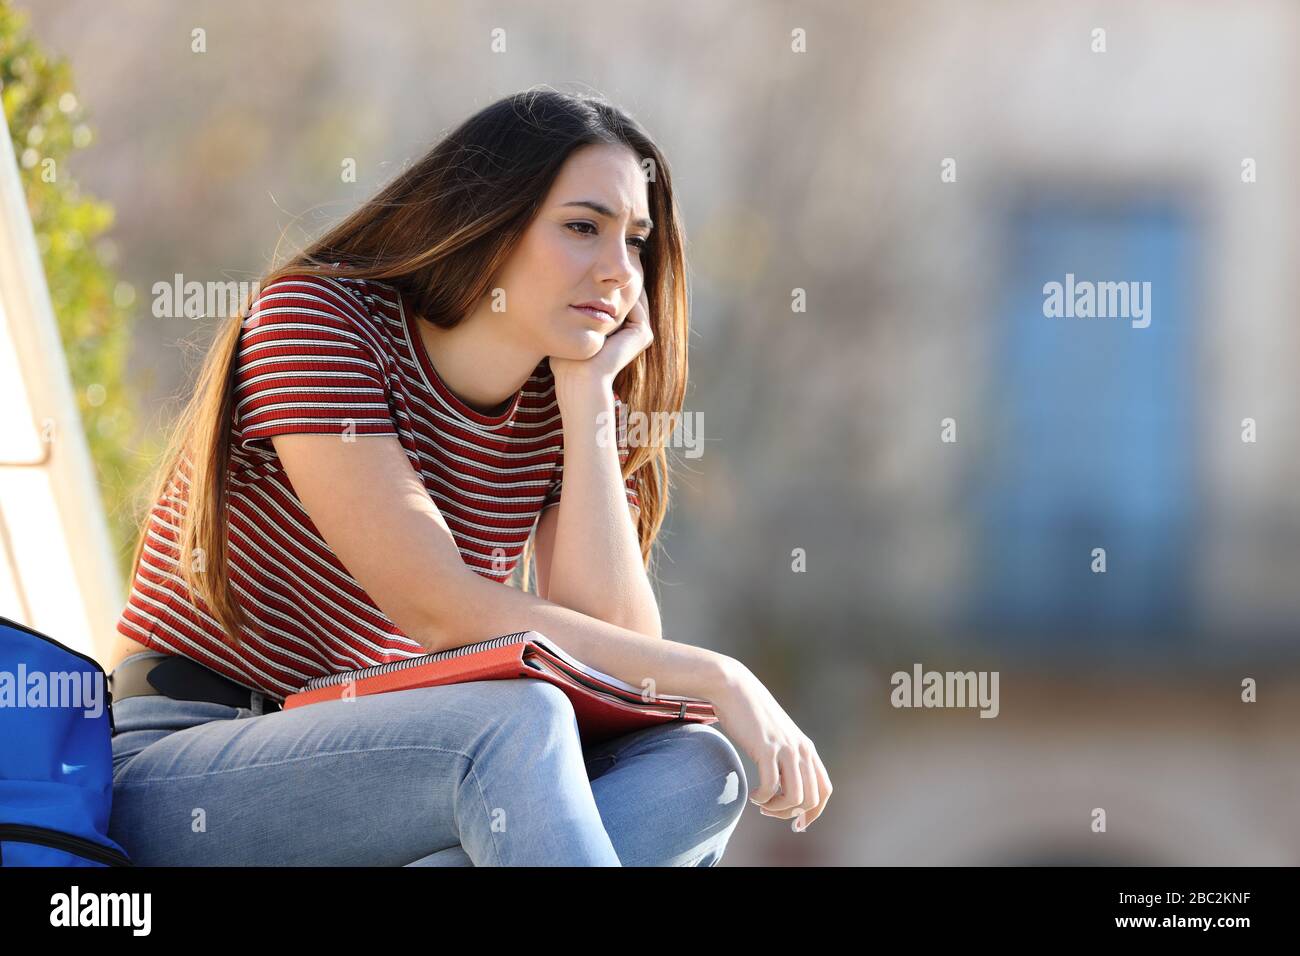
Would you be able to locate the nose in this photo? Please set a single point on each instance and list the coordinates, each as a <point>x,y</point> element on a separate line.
<point>615,263</point>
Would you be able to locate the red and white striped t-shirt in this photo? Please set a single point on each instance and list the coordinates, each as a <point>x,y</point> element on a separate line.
<point>329,356</point>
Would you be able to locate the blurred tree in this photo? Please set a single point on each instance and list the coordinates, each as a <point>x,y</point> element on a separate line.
<point>92,306</point>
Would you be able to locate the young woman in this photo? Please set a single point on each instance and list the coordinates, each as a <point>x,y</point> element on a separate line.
<point>407,408</point>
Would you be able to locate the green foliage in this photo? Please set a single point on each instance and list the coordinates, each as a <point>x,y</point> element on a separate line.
<point>46,123</point>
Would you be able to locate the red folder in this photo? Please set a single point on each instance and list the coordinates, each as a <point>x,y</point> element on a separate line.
<point>605,706</point>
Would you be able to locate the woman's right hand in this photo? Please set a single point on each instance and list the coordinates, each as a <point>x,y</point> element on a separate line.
<point>792,778</point>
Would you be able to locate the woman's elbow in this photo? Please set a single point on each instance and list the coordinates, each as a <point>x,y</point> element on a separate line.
<point>461,609</point>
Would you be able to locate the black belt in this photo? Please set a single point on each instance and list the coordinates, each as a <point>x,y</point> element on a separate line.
<point>180,678</point>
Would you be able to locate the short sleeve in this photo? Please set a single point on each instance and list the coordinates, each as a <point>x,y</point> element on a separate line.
<point>308,363</point>
<point>630,484</point>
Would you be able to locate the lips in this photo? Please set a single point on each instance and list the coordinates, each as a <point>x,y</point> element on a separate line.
<point>599,304</point>
<point>598,314</point>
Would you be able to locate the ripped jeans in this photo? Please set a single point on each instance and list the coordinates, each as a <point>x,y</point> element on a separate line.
<point>487,773</point>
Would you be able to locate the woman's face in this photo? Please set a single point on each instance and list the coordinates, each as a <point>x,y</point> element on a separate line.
<point>582,246</point>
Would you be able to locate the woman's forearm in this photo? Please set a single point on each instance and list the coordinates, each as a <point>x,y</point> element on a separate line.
<point>483,609</point>
<point>596,565</point>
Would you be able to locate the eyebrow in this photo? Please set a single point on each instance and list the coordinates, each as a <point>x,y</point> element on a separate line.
<point>608,213</point>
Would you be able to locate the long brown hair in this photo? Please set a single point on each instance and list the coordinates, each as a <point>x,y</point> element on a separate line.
<point>438,233</point>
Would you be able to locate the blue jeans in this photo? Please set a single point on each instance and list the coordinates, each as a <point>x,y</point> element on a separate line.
<point>488,773</point>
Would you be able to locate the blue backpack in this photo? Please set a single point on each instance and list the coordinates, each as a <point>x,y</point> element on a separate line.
<point>56,754</point>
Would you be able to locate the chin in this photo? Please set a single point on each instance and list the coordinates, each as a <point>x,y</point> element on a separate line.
<point>579,346</point>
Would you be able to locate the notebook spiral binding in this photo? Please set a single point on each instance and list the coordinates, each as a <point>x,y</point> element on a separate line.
<point>329,680</point>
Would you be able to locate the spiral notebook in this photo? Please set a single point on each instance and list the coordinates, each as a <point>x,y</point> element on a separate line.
<point>605,706</point>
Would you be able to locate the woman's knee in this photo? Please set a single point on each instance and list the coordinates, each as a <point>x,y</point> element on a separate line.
<point>529,702</point>
<point>509,717</point>
<point>462,716</point>
<point>711,764</point>
<point>724,765</point>
<point>689,802</point>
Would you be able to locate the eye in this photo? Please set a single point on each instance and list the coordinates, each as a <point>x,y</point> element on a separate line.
<point>638,242</point>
